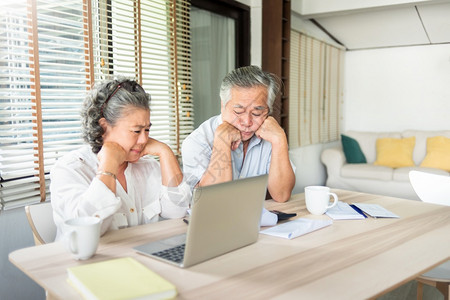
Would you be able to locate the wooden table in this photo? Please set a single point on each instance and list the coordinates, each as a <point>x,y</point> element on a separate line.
<point>352,259</point>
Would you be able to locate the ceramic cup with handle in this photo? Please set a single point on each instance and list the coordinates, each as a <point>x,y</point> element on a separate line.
<point>83,235</point>
<point>318,199</point>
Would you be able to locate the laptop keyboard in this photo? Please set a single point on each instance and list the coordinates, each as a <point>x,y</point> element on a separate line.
<point>174,254</point>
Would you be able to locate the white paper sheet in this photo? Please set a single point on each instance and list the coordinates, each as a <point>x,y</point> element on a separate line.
<point>375,210</point>
<point>343,211</point>
<point>296,228</point>
<point>268,218</point>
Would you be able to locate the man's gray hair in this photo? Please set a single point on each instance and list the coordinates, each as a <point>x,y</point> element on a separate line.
<point>109,100</point>
<point>249,77</point>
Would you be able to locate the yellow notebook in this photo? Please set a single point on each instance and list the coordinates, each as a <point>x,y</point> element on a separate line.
<point>121,278</point>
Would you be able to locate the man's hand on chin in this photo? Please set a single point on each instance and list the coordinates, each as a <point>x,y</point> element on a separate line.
<point>271,131</point>
<point>228,135</point>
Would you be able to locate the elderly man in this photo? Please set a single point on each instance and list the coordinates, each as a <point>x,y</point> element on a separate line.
<point>244,140</point>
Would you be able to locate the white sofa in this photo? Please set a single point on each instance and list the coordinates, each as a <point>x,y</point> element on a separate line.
<point>377,179</point>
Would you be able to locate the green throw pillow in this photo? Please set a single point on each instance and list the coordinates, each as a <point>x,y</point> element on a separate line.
<point>352,150</point>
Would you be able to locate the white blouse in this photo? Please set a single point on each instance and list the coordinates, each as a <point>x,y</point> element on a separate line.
<point>76,191</point>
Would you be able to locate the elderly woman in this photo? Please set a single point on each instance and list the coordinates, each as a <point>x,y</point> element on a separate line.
<point>112,178</point>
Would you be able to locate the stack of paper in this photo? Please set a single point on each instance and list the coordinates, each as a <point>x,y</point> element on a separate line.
<point>268,218</point>
<point>122,278</point>
<point>343,211</point>
<point>295,228</point>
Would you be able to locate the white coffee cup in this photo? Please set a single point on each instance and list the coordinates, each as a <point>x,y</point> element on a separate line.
<point>318,199</point>
<point>83,235</point>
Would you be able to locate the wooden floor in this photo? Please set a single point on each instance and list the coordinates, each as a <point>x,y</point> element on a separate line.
<point>408,291</point>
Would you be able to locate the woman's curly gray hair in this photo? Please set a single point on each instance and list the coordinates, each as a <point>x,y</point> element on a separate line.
<point>109,100</point>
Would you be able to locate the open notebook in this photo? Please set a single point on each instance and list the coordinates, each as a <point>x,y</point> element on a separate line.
<point>225,217</point>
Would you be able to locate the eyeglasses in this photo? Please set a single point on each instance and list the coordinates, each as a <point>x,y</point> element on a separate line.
<point>130,86</point>
<point>110,96</point>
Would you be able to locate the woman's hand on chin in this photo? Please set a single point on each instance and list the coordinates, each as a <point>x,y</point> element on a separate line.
<point>111,156</point>
<point>156,148</point>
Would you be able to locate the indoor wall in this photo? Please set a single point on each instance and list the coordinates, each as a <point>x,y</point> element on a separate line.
<point>394,89</point>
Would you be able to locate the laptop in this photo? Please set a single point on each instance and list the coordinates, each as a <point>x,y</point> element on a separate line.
<point>225,217</point>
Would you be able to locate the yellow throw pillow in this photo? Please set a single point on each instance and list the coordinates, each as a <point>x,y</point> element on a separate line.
<point>438,153</point>
<point>395,153</point>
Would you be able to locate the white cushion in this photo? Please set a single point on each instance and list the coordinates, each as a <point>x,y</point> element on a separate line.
<point>420,149</point>
<point>367,171</point>
<point>402,174</point>
<point>367,141</point>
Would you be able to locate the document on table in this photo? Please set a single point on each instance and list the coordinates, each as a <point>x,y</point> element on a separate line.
<point>343,211</point>
<point>268,218</point>
<point>295,228</point>
<point>375,210</point>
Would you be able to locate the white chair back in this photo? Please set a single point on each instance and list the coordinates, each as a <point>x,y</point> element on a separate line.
<point>40,217</point>
<point>430,187</point>
<point>435,189</point>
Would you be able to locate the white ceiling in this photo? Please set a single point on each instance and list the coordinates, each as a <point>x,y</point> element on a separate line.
<point>365,24</point>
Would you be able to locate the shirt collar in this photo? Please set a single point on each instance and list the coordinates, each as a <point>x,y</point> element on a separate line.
<point>254,140</point>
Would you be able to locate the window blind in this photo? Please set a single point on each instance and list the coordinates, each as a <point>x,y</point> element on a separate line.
<point>149,41</point>
<point>315,91</point>
<point>51,52</point>
<point>43,81</point>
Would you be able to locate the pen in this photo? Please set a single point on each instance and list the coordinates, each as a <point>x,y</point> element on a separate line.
<point>358,210</point>
<point>186,221</point>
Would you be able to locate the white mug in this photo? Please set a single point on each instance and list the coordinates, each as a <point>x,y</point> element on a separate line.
<point>83,235</point>
<point>318,199</point>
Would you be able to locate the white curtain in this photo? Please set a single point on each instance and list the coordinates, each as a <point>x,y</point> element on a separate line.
<point>213,56</point>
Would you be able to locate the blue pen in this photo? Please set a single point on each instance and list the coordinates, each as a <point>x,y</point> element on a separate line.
<point>358,210</point>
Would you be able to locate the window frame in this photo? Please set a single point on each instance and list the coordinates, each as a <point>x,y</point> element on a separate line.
<point>178,12</point>
<point>241,14</point>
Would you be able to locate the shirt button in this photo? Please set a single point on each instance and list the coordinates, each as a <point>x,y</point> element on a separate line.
<point>131,210</point>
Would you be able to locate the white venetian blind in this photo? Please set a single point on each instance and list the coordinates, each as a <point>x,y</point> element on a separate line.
<point>315,91</point>
<point>51,52</point>
<point>149,41</point>
<point>43,79</point>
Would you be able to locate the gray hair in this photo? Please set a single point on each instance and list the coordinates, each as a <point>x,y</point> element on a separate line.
<point>109,100</point>
<point>248,77</point>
